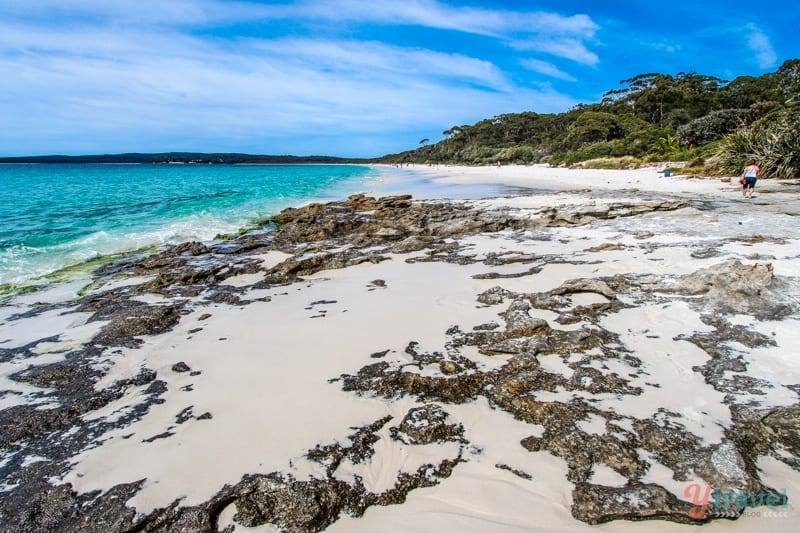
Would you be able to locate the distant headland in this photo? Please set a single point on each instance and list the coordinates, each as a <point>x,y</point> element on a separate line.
<point>182,158</point>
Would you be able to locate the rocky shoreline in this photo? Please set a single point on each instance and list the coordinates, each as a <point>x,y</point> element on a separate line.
<point>568,376</point>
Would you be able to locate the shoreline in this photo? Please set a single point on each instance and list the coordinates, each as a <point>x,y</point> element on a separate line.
<point>27,270</point>
<point>452,182</point>
<point>520,330</point>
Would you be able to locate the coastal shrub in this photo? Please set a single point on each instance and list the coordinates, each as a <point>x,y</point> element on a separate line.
<point>713,126</point>
<point>774,143</point>
<point>696,162</point>
<point>612,163</point>
<point>592,151</point>
<point>667,148</point>
<point>666,145</point>
<point>639,143</point>
<point>477,154</point>
<point>518,154</point>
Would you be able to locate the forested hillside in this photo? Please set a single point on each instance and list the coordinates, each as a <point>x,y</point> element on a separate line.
<point>706,121</point>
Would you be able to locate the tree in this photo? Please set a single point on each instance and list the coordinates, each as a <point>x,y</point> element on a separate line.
<point>591,127</point>
<point>699,94</point>
<point>714,126</point>
<point>745,91</point>
<point>650,113</point>
<point>789,79</point>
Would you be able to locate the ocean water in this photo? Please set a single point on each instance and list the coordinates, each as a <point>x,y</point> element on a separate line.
<point>56,216</point>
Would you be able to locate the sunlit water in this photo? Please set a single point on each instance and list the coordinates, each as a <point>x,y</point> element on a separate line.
<point>56,216</point>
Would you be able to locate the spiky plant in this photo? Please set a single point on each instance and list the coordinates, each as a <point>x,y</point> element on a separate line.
<point>774,143</point>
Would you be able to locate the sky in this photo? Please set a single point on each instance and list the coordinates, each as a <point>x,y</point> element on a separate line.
<point>351,78</point>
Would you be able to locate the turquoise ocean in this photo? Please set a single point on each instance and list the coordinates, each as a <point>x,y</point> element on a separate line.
<point>53,217</point>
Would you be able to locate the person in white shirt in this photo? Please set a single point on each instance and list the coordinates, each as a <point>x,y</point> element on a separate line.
<point>749,178</point>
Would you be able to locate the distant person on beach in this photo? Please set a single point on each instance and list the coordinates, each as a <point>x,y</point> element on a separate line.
<point>749,178</point>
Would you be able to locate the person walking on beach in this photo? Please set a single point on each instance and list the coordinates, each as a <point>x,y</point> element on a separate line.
<point>749,178</point>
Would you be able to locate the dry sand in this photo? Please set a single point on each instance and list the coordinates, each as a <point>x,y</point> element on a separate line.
<point>545,178</point>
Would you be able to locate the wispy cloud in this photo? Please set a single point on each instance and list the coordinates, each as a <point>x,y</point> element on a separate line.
<point>377,59</point>
<point>667,47</point>
<point>567,48</point>
<point>434,14</point>
<point>551,33</point>
<point>427,13</point>
<point>759,43</point>
<point>548,69</point>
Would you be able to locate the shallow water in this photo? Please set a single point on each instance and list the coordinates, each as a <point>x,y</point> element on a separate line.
<point>57,216</point>
<point>408,180</point>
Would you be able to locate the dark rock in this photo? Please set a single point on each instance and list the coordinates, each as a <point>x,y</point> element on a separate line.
<point>180,367</point>
<point>426,424</point>
<point>290,505</point>
<point>491,326</point>
<point>305,265</point>
<point>494,275</point>
<point>515,471</point>
<point>130,321</point>
<point>731,287</point>
<point>163,435</point>
<point>582,450</point>
<point>449,367</point>
<point>493,296</point>
<point>226,297</point>
<point>184,415</point>
<point>596,504</point>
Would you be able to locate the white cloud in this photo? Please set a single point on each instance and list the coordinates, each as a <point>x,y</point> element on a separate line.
<point>377,59</point>
<point>759,43</point>
<point>548,69</point>
<point>82,89</point>
<point>667,47</point>
<point>553,33</point>
<point>567,48</point>
<point>433,14</point>
<point>428,13</point>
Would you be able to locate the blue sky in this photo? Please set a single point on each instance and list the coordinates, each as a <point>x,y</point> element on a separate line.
<point>349,77</point>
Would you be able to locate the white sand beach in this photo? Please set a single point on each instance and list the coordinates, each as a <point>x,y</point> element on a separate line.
<point>265,367</point>
<point>559,179</point>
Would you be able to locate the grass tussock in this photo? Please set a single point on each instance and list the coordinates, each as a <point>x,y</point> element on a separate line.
<point>610,163</point>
